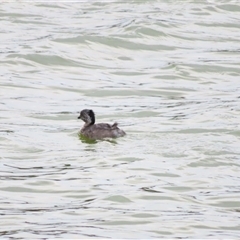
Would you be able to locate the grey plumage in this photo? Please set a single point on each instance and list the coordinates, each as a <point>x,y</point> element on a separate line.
<point>100,130</point>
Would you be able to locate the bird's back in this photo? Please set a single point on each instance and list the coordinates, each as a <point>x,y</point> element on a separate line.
<point>102,130</point>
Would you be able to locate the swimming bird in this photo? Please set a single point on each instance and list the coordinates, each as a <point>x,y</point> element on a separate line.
<point>100,130</point>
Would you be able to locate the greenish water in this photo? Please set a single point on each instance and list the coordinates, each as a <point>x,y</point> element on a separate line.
<point>167,72</point>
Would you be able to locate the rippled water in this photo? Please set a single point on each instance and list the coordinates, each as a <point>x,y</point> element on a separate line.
<point>168,72</point>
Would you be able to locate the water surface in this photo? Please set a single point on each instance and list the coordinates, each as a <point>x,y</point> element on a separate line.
<point>167,72</point>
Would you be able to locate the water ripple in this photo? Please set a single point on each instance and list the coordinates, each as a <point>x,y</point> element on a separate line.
<point>167,72</point>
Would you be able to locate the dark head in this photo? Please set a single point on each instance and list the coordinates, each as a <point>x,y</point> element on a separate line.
<point>88,116</point>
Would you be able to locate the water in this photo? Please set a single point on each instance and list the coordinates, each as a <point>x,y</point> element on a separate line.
<point>167,72</point>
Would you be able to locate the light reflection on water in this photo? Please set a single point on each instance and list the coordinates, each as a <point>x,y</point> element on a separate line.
<point>167,73</point>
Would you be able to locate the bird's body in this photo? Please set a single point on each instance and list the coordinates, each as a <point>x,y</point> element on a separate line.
<point>100,130</point>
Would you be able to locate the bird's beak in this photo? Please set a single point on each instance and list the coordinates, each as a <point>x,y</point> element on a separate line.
<point>79,117</point>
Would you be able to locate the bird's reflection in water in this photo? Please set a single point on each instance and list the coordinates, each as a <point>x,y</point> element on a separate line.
<point>93,141</point>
